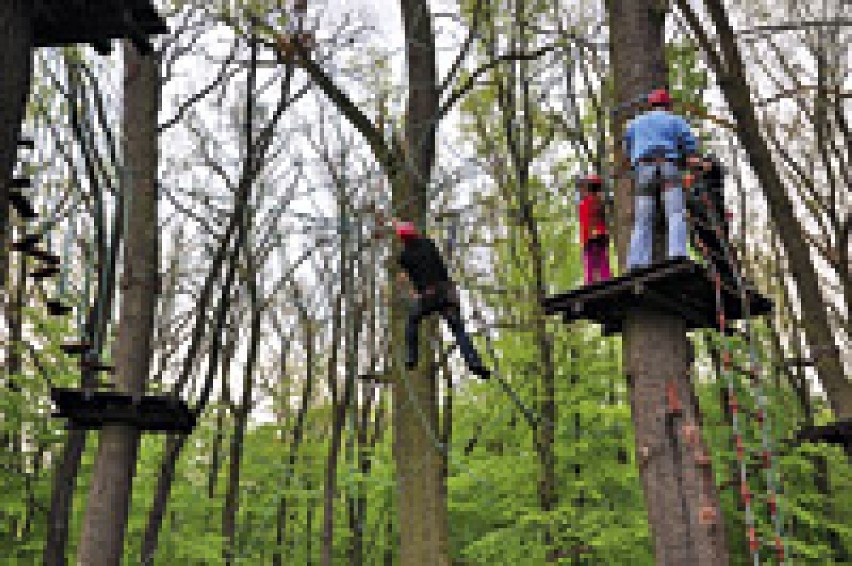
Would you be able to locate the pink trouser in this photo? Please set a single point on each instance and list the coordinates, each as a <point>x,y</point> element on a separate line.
<point>596,261</point>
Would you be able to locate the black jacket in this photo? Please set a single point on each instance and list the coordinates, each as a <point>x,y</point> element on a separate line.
<point>423,263</point>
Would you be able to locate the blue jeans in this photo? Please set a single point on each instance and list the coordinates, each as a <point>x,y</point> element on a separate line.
<point>642,240</point>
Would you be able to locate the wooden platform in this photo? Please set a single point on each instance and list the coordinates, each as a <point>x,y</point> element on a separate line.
<point>94,409</point>
<point>679,286</point>
<point>66,22</point>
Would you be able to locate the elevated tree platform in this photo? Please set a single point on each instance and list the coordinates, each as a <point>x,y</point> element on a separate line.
<point>151,413</point>
<point>65,22</point>
<point>678,286</point>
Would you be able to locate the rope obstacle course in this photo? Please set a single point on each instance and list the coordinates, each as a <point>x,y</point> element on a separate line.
<point>56,23</point>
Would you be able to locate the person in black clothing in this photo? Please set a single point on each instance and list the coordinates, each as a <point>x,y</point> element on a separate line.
<point>433,291</point>
<point>710,226</point>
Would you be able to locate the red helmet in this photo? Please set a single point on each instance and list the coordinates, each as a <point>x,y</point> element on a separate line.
<point>659,97</point>
<point>592,179</point>
<point>405,230</point>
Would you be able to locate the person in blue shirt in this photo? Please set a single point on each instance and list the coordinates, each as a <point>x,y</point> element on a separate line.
<point>655,142</point>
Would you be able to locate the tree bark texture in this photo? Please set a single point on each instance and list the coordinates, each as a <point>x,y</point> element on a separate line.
<point>680,493</point>
<point>421,506</point>
<point>102,540</point>
<point>16,61</point>
<point>681,498</point>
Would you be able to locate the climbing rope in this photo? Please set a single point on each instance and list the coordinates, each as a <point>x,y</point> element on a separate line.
<point>752,372</point>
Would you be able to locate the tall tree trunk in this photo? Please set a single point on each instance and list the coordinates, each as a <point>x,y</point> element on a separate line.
<point>216,456</point>
<point>62,497</point>
<point>102,541</point>
<point>232,494</point>
<point>16,44</point>
<point>408,164</point>
<point>417,451</point>
<point>678,494</point>
<point>732,78</point>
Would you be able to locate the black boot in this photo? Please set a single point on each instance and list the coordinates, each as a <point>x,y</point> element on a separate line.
<point>481,372</point>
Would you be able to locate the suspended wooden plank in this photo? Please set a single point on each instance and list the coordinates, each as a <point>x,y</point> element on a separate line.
<point>96,366</point>
<point>26,143</point>
<point>75,348</point>
<point>55,307</point>
<point>60,22</point>
<point>376,378</point>
<point>42,255</point>
<point>20,183</point>
<point>91,409</point>
<point>26,243</point>
<point>44,272</point>
<point>22,205</point>
<point>680,286</point>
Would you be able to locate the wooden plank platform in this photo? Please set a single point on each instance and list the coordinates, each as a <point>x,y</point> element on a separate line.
<point>679,286</point>
<point>60,22</point>
<point>94,409</point>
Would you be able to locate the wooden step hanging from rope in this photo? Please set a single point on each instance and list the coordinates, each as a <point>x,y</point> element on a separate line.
<point>46,257</point>
<point>56,307</point>
<point>75,348</point>
<point>96,365</point>
<point>26,143</point>
<point>27,243</point>
<point>376,378</point>
<point>92,409</point>
<point>44,272</point>
<point>20,183</point>
<point>22,205</point>
<point>679,286</point>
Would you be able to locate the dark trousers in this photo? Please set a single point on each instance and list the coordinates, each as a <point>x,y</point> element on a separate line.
<point>710,227</point>
<point>445,301</point>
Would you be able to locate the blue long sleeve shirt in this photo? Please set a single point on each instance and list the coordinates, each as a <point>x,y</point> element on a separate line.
<point>658,133</point>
